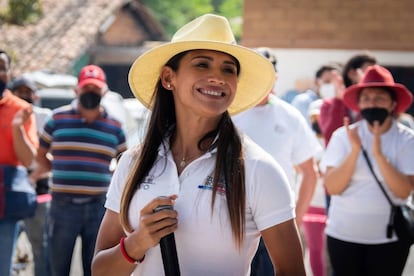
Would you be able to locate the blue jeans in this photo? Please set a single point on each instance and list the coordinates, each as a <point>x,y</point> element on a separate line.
<point>68,220</point>
<point>8,238</point>
<point>261,264</point>
<point>35,230</point>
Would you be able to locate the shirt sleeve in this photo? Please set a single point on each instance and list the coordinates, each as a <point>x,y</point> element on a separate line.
<point>122,145</point>
<point>337,149</point>
<point>46,135</point>
<point>405,162</point>
<point>31,131</point>
<point>268,191</point>
<point>118,181</point>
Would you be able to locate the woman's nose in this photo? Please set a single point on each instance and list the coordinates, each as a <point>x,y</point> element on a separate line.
<point>215,77</point>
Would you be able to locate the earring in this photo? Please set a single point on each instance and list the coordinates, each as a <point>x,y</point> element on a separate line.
<point>168,85</point>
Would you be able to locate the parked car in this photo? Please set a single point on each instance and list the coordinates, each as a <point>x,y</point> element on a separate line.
<point>54,97</point>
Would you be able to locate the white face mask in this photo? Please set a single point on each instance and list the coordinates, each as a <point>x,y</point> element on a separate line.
<point>327,90</point>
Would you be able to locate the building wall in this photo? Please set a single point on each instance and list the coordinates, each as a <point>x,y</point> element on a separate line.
<point>305,34</point>
<point>329,24</point>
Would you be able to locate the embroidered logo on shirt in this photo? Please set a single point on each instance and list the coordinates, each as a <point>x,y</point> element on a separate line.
<point>208,185</point>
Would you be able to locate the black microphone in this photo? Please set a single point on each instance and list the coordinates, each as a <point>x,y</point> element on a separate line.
<point>169,250</point>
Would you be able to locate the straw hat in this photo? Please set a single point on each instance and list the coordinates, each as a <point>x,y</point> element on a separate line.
<point>209,32</point>
<point>378,76</point>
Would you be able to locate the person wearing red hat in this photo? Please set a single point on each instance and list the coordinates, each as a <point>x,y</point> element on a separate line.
<point>357,236</point>
<point>83,139</point>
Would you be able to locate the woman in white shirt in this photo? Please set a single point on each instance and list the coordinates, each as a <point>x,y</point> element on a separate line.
<point>226,191</point>
<point>357,221</point>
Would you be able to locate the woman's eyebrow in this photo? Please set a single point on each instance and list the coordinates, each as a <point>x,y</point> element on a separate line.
<point>210,58</point>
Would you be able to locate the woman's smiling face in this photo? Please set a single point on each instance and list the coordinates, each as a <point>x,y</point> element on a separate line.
<point>205,82</point>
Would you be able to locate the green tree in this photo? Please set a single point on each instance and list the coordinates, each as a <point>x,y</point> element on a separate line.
<point>21,12</point>
<point>173,14</point>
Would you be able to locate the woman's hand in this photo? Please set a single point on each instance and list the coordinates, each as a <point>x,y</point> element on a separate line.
<point>376,143</point>
<point>353,136</point>
<point>152,227</point>
<point>155,225</point>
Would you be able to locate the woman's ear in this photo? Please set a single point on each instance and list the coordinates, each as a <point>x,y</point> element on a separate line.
<point>166,78</point>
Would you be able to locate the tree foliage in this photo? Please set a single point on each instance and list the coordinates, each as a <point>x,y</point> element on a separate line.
<point>174,14</point>
<point>21,12</point>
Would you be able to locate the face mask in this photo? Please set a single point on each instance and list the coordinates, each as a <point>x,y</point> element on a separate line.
<point>375,114</point>
<point>316,128</point>
<point>327,90</point>
<point>90,100</point>
<point>2,87</point>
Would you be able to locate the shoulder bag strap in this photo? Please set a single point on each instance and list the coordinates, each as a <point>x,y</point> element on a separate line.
<point>391,220</point>
<point>364,152</point>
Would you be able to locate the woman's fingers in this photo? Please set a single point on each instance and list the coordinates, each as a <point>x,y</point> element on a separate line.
<point>155,223</point>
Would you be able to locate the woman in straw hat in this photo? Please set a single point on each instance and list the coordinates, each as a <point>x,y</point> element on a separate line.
<point>225,190</point>
<point>358,240</point>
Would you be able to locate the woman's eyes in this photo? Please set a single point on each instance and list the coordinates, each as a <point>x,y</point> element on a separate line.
<point>230,70</point>
<point>227,69</point>
<point>202,64</point>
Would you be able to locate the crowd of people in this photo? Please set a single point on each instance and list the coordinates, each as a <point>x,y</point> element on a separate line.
<point>252,182</point>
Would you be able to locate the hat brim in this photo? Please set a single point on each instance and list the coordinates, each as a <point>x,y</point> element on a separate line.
<point>256,76</point>
<point>95,82</point>
<point>404,96</point>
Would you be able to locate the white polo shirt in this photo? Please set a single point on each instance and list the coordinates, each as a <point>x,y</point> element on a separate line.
<point>282,131</point>
<point>204,240</point>
<point>361,213</point>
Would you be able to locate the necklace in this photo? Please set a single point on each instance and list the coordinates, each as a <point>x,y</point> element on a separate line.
<point>184,161</point>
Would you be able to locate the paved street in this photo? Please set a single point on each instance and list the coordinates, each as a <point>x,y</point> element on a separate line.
<point>76,270</point>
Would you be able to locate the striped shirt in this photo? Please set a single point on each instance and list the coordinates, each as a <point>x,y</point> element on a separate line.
<point>82,151</point>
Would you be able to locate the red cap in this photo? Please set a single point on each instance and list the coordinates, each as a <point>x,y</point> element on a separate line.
<point>92,74</point>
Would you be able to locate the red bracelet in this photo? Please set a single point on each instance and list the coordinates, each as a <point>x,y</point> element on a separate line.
<point>125,254</point>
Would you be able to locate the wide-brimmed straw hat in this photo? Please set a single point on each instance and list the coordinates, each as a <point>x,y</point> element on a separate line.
<point>378,76</point>
<point>209,32</point>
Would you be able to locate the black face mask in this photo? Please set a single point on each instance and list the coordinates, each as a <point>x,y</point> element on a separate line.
<point>316,128</point>
<point>2,87</point>
<point>375,114</point>
<point>90,100</point>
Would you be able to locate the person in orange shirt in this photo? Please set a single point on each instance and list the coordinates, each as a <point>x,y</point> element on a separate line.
<point>19,142</point>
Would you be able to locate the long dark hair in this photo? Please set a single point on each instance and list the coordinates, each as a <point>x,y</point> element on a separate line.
<point>229,161</point>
